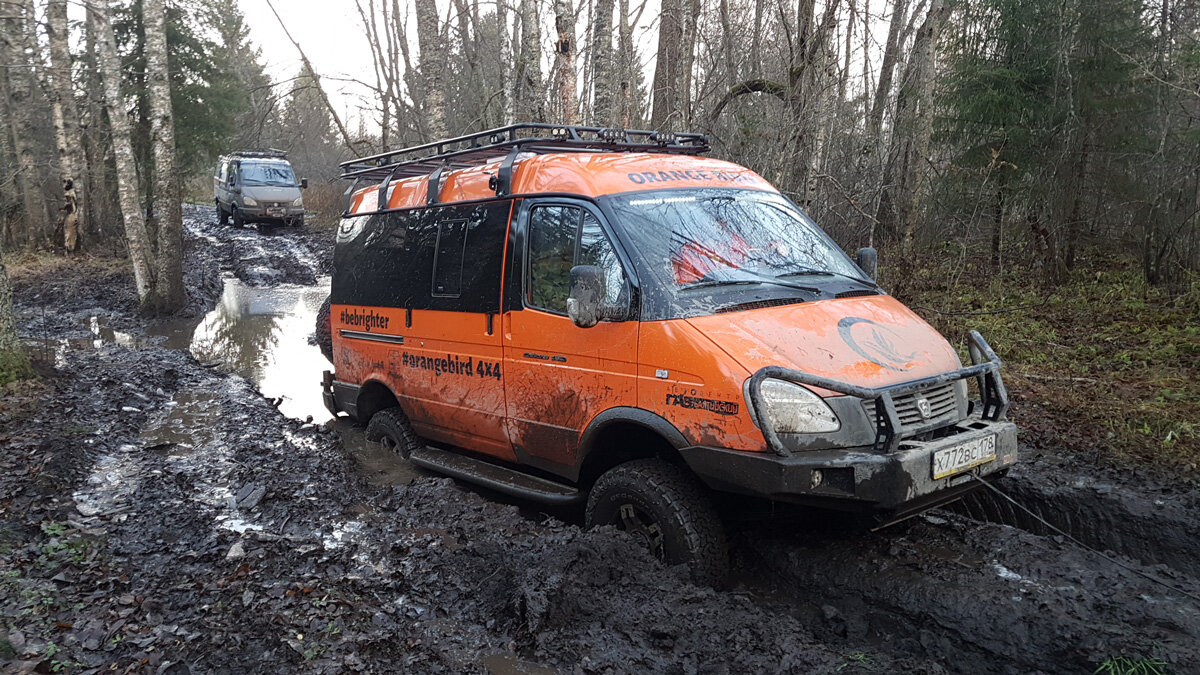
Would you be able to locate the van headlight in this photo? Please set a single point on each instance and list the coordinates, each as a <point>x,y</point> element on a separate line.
<point>250,201</point>
<point>791,408</point>
<point>298,201</point>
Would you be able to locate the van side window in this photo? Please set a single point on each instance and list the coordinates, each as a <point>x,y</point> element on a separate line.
<point>551,254</point>
<point>561,237</point>
<point>595,249</point>
<point>448,258</point>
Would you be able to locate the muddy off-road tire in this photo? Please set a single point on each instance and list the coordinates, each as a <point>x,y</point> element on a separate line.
<point>238,221</point>
<point>324,330</point>
<point>669,509</point>
<point>391,428</point>
<point>222,216</point>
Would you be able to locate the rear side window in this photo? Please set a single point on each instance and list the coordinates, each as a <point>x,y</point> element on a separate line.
<point>445,258</point>
<point>561,237</point>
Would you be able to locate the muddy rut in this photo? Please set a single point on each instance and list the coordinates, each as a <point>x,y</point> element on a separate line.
<point>163,509</point>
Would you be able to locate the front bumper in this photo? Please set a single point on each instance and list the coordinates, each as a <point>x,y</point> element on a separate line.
<point>885,467</point>
<point>272,213</point>
<point>856,479</point>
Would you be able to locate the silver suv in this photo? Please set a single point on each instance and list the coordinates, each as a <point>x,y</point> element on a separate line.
<point>258,187</point>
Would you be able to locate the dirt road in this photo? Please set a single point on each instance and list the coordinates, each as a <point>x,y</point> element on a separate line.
<point>159,514</point>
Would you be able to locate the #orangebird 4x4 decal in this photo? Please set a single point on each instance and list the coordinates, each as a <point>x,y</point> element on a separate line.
<point>452,365</point>
<point>874,342</point>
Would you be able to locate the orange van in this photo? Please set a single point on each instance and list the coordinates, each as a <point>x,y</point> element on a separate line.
<point>604,317</point>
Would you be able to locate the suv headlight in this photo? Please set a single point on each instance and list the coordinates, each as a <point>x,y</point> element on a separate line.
<point>249,201</point>
<point>791,408</point>
<point>299,201</point>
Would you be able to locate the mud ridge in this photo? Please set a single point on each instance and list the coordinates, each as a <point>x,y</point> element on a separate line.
<point>979,598</point>
<point>1157,527</point>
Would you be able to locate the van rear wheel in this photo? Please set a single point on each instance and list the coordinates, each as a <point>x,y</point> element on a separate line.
<point>390,428</point>
<point>668,509</point>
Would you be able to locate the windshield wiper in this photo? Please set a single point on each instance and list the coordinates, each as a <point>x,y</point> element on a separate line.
<point>705,283</point>
<point>708,280</point>
<point>822,273</point>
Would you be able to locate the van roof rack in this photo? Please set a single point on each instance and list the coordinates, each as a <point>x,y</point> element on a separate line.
<point>269,153</point>
<point>478,148</point>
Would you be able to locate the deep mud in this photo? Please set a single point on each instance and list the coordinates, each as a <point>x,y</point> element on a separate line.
<point>158,514</point>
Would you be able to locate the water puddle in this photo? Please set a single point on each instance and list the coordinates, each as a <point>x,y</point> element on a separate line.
<point>263,334</point>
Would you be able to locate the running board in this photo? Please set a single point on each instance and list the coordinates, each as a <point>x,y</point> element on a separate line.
<point>495,477</point>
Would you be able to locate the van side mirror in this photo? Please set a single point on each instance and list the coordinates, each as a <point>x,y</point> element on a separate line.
<point>232,180</point>
<point>868,261</point>
<point>587,288</point>
<point>303,183</point>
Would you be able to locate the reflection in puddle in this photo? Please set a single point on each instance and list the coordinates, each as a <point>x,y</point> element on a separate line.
<point>263,334</point>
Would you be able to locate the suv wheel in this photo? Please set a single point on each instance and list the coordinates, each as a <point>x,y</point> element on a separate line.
<point>390,427</point>
<point>668,509</point>
<point>324,330</point>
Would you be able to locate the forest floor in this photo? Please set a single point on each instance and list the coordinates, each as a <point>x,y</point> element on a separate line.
<point>158,514</point>
<point>1102,366</point>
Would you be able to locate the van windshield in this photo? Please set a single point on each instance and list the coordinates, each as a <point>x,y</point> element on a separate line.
<point>275,174</point>
<point>693,239</point>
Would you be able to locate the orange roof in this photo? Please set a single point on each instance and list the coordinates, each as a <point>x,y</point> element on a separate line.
<point>589,174</point>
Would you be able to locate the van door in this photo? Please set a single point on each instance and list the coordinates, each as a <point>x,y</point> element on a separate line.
<point>557,376</point>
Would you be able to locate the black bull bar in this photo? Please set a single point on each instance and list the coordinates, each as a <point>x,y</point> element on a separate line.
<point>888,428</point>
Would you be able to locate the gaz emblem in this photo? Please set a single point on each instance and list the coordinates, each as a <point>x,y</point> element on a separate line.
<point>924,409</point>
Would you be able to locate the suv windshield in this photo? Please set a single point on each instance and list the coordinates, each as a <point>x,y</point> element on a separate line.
<point>274,174</point>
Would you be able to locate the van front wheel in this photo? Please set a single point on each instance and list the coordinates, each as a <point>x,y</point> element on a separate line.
<point>667,508</point>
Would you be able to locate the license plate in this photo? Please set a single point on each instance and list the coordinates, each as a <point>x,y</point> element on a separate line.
<point>964,456</point>
<point>275,212</point>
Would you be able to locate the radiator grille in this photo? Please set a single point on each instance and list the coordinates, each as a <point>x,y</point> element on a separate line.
<point>943,404</point>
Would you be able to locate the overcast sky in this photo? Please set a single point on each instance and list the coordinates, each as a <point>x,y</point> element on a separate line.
<point>330,33</point>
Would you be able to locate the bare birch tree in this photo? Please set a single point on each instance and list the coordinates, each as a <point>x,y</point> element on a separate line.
<point>168,214</point>
<point>136,234</point>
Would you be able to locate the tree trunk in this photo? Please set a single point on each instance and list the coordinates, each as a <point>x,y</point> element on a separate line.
<point>72,163</point>
<point>602,64</point>
<point>913,129</point>
<point>98,186</point>
<point>687,58</point>
<point>629,110</point>
<point>528,100</point>
<point>891,53</point>
<point>564,61</point>
<point>433,68</point>
<point>667,64</point>
<point>140,252</point>
<point>168,287</point>
<point>16,35</point>
<point>14,364</point>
